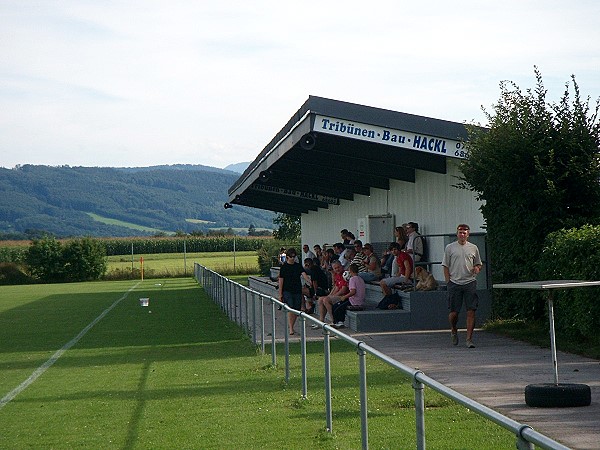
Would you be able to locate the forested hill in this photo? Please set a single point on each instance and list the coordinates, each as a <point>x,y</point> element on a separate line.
<point>94,201</point>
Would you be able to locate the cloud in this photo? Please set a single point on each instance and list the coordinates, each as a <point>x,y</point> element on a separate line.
<point>113,83</point>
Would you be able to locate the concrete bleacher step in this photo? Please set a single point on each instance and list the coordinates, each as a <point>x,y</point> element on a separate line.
<point>378,320</point>
<point>420,310</point>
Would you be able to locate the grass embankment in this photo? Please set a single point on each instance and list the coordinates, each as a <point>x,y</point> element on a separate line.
<point>537,333</point>
<point>179,374</point>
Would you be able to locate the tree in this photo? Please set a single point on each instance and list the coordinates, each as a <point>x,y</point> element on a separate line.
<point>289,227</point>
<point>537,168</point>
<point>78,260</point>
<point>85,259</point>
<point>251,230</point>
<point>45,259</point>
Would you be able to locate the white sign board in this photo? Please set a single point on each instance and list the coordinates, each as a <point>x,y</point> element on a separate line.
<point>389,136</point>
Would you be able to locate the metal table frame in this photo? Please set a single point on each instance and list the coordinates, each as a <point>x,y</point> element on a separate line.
<point>549,285</point>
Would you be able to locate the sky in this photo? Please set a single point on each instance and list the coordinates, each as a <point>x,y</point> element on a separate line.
<point>114,83</point>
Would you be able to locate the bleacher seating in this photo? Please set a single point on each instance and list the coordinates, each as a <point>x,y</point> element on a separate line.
<point>421,310</point>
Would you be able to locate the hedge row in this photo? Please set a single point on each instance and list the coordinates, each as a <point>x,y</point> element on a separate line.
<point>13,254</point>
<point>574,255</point>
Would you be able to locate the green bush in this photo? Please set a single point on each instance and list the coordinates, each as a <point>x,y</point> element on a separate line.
<point>11,273</point>
<point>45,260</point>
<point>78,260</point>
<point>574,254</point>
<point>268,254</point>
<point>84,259</point>
<point>536,171</point>
<point>13,254</point>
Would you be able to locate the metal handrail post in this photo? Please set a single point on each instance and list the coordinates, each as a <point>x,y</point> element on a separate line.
<point>364,421</point>
<point>287,344</point>
<point>219,286</point>
<point>227,298</point>
<point>236,308</point>
<point>327,361</point>
<point>232,301</point>
<point>253,297</point>
<point>243,309</point>
<point>262,323</point>
<point>419,412</point>
<point>239,309</point>
<point>273,347</point>
<point>522,443</point>
<point>303,354</point>
<point>215,283</point>
<point>246,316</point>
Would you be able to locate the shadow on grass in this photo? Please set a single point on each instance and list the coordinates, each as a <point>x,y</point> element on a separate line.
<point>174,317</point>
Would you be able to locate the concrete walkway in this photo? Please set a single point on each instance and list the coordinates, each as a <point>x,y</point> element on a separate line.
<point>495,374</point>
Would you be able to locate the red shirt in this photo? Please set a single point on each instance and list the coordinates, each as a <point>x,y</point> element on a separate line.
<point>338,280</point>
<point>403,256</point>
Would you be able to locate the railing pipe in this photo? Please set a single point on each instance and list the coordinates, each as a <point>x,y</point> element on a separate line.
<point>362,374</point>
<point>286,339</point>
<point>273,346</point>
<point>526,437</point>
<point>303,356</point>
<point>327,362</point>
<point>419,412</point>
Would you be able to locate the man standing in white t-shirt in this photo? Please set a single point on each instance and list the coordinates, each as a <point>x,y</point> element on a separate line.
<point>462,264</point>
<point>414,246</point>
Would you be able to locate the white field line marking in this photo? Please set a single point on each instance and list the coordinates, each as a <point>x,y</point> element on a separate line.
<point>40,370</point>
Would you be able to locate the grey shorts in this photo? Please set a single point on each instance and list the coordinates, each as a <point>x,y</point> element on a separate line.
<point>391,281</point>
<point>293,300</point>
<point>462,293</point>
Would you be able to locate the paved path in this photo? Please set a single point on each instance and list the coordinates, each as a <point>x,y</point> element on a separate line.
<point>495,374</point>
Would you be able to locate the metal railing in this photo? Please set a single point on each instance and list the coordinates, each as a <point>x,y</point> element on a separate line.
<point>246,307</point>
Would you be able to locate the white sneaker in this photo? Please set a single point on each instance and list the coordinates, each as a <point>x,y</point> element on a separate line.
<point>339,325</point>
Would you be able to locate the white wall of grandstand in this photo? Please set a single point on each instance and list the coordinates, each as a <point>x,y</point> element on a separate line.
<point>432,201</point>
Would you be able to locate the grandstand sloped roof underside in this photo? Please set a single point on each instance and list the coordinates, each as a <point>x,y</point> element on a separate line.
<point>305,167</point>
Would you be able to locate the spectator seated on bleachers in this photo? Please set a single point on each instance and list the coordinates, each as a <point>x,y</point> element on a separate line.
<point>342,253</point>
<point>405,269</point>
<point>371,264</point>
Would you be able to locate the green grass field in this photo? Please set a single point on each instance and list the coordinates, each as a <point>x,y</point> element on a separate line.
<point>174,264</point>
<point>178,374</point>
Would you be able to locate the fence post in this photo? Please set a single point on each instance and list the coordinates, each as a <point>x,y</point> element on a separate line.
<point>419,411</point>
<point>523,444</point>
<point>246,316</point>
<point>253,297</point>
<point>287,344</point>
<point>327,360</point>
<point>273,347</point>
<point>364,425</point>
<point>303,355</point>
<point>261,305</point>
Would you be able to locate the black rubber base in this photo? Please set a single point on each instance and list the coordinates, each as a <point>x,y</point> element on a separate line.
<point>561,395</point>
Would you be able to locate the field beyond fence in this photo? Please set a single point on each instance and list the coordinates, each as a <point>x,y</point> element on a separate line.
<point>179,264</point>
